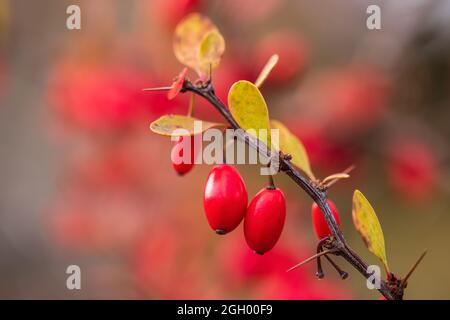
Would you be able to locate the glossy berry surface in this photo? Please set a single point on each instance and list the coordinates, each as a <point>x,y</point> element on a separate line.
<point>179,164</point>
<point>320,224</point>
<point>225,199</point>
<point>264,220</point>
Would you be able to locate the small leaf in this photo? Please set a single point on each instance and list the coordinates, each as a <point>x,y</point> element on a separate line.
<point>189,36</point>
<point>290,144</point>
<point>368,226</point>
<point>211,50</point>
<point>249,109</point>
<point>271,63</point>
<point>177,85</point>
<point>166,125</point>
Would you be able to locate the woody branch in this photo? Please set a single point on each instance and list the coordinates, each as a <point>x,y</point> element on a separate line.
<point>339,246</point>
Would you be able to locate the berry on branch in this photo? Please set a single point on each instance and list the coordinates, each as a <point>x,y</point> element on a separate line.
<point>264,220</point>
<point>225,199</point>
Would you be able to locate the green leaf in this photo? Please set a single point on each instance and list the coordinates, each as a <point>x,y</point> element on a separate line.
<point>290,144</point>
<point>271,63</point>
<point>197,38</point>
<point>166,125</point>
<point>211,50</point>
<point>368,226</point>
<point>249,109</point>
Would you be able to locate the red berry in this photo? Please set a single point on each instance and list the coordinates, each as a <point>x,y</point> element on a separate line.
<point>225,199</point>
<point>264,220</point>
<point>319,222</point>
<point>182,167</point>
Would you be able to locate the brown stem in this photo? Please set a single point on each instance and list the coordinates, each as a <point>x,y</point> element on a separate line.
<point>341,272</point>
<point>340,246</point>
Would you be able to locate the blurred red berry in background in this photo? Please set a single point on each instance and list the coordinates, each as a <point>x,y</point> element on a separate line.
<point>170,12</point>
<point>72,227</point>
<point>103,97</point>
<point>348,100</point>
<point>412,169</point>
<point>293,54</point>
<point>323,150</point>
<point>249,11</point>
<point>359,97</point>
<point>266,276</point>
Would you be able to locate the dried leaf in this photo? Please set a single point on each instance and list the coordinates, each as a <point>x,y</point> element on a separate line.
<point>191,34</point>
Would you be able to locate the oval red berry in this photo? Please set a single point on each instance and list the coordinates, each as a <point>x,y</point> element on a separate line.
<point>264,220</point>
<point>177,156</point>
<point>225,199</point>
<point>320,224</point>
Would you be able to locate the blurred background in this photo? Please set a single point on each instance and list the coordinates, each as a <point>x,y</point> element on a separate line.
<point>83,181</point>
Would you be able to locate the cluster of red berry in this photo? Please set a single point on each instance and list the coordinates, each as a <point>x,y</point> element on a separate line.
<point>225,202</point>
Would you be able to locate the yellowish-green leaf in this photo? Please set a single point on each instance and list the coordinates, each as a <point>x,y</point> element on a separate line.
<point>249,109</point>
<point>196,37</point>
<point>271,63</point>
<point>169,125</point>
<point>211,50</point>
<point>290,144</point>
<point>368,226</point>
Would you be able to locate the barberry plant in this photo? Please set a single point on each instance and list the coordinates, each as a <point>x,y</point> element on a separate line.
<point>199,45</point>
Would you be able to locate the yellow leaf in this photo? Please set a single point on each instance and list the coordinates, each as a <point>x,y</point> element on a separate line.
<point>271,63</point>
<point>368,226</point>
<point>195,37</point>
<point>290,144</point>
<point>211,50</point>
<point>166,125</point>
<point>249,109</point>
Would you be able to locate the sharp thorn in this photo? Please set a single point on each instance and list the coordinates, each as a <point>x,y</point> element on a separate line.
<point>157,89</point>
<point>309,259</point>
